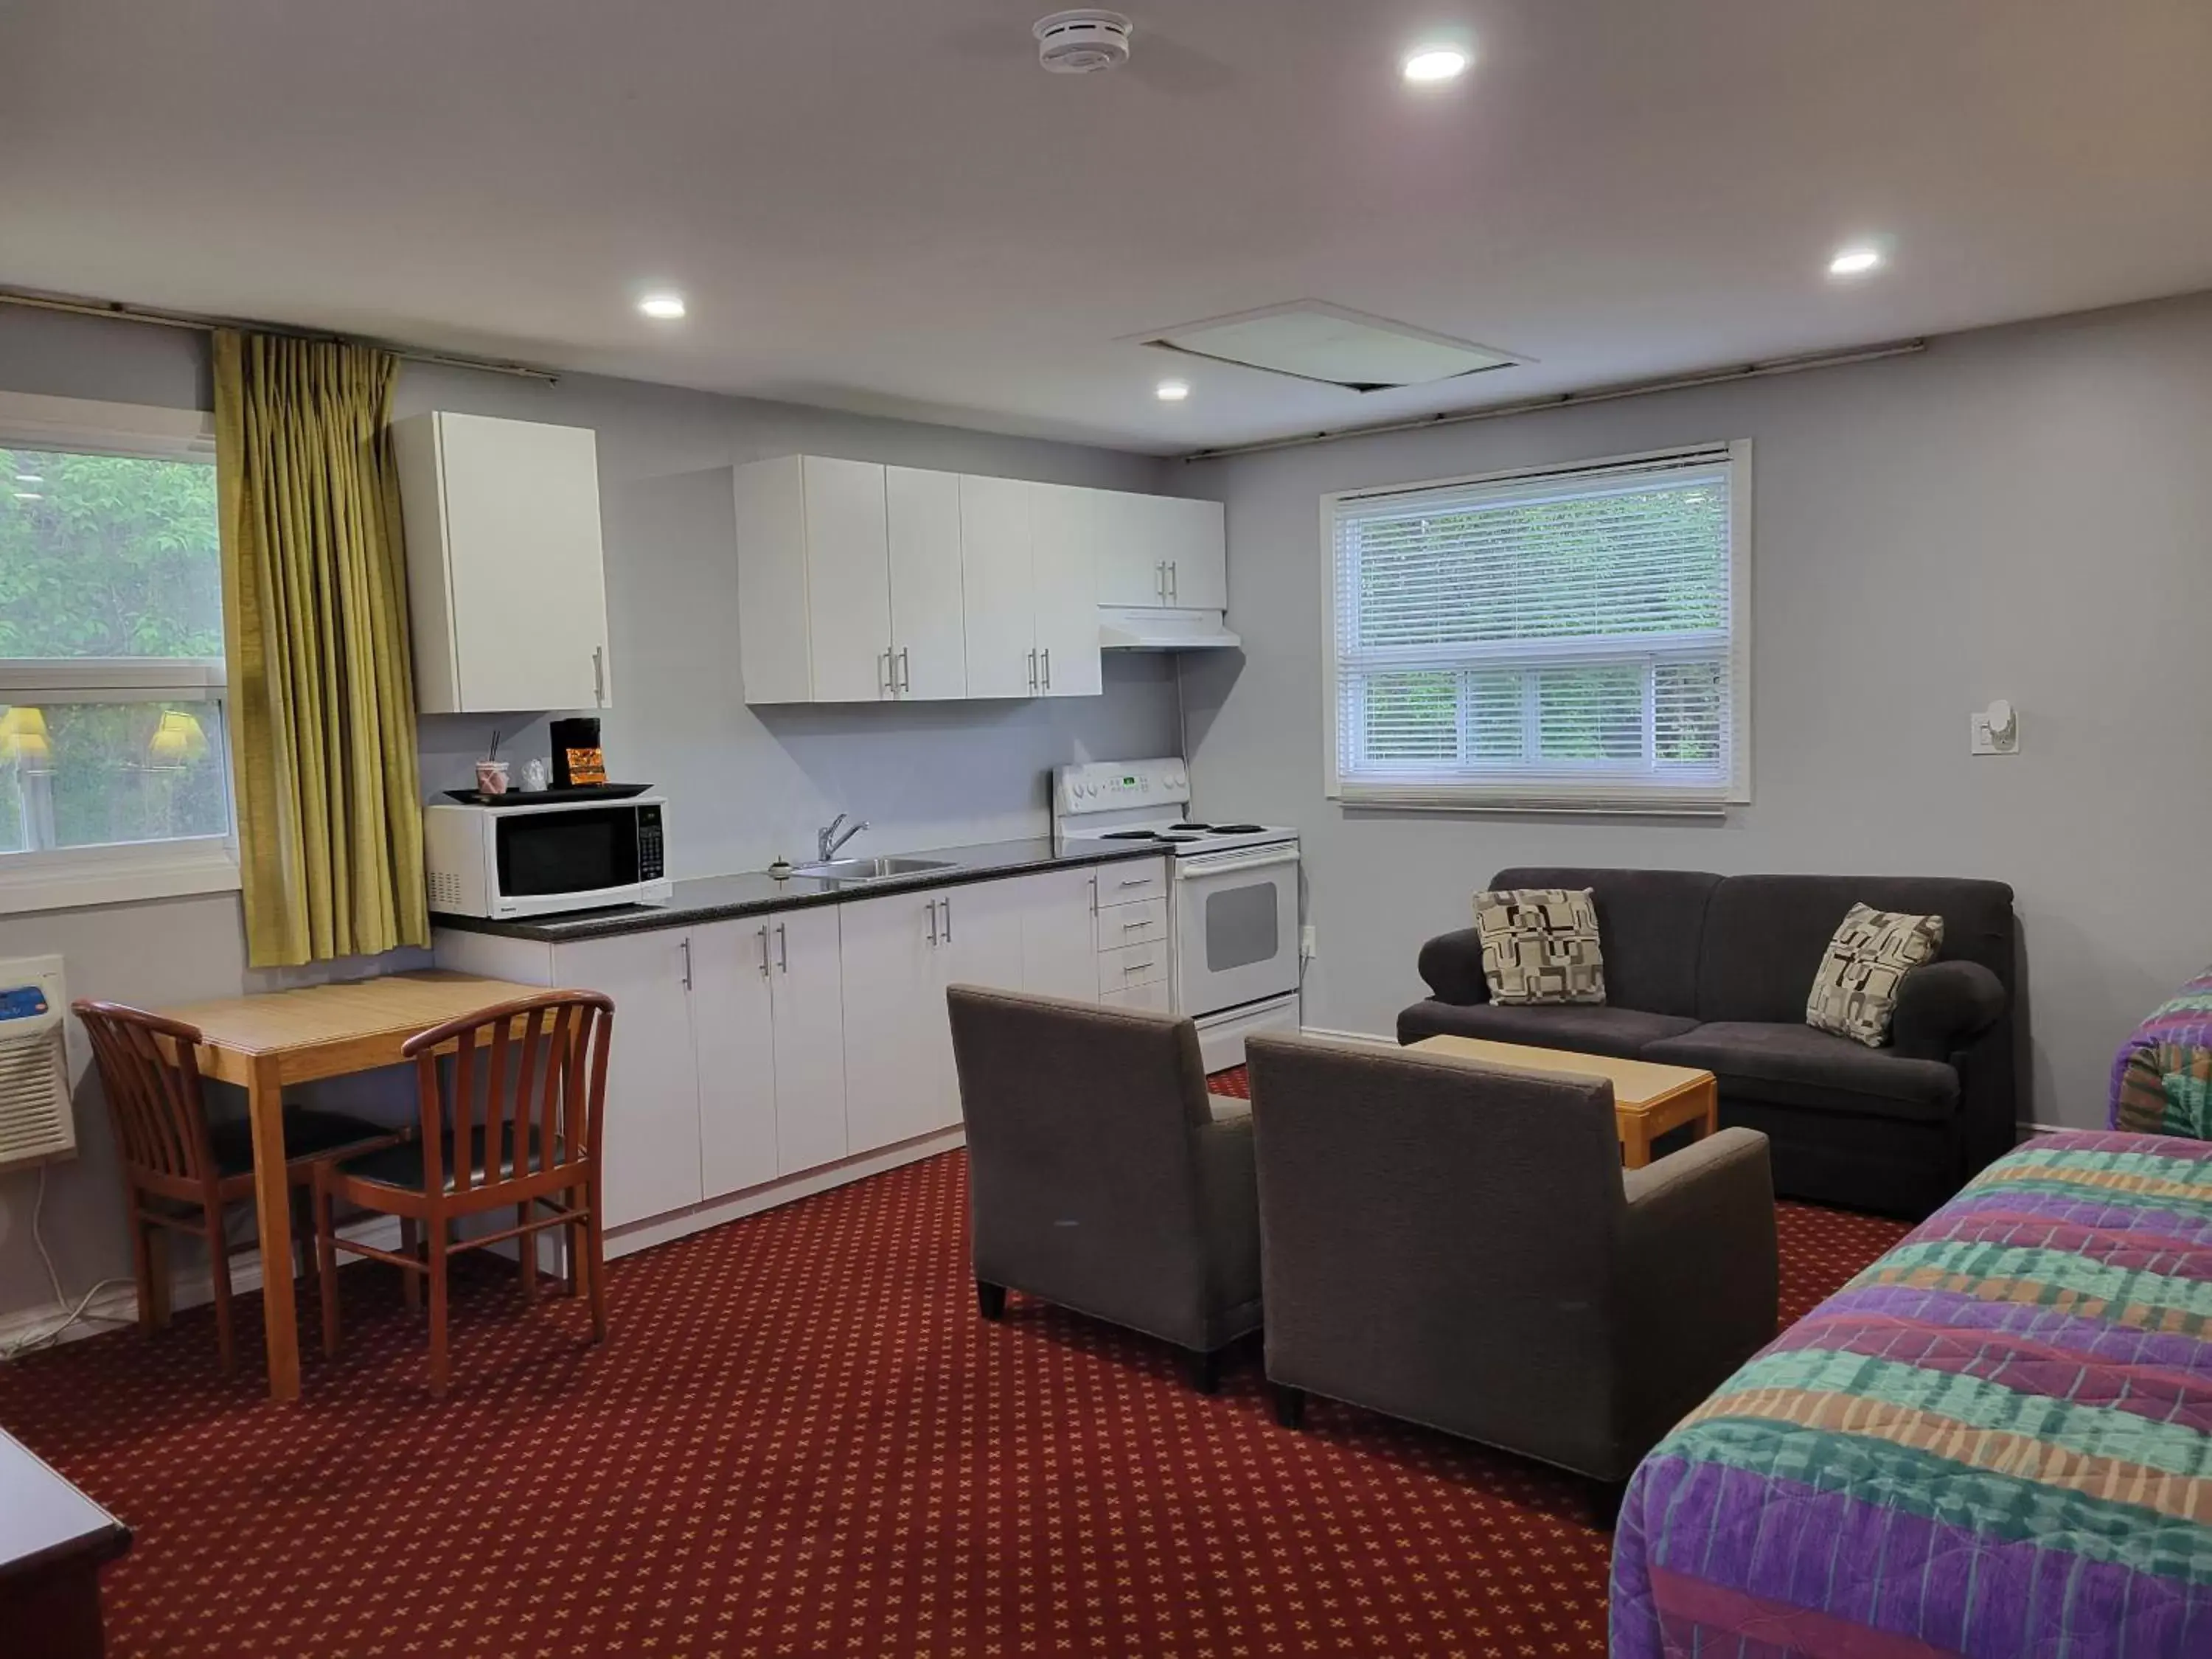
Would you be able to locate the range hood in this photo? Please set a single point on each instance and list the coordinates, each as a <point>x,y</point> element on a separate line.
<point>1151,627</point>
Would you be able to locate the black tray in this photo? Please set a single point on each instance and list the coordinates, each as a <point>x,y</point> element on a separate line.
<point>574,792</point>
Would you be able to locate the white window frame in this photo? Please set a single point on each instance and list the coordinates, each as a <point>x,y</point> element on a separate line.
<point>65,878</point>
<point>1598,795</point>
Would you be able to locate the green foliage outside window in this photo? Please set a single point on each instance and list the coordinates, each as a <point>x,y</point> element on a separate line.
<point>104,556</point>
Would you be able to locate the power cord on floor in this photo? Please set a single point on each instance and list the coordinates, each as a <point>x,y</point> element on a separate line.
<point>32,1341</point>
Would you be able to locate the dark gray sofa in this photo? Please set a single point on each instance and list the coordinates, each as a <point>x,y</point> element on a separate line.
<point>1713,971</point>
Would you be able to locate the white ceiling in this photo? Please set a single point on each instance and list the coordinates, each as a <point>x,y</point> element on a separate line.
<point>885,205</point>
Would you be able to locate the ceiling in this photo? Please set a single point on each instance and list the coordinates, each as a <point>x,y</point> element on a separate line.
<point>885,205</point>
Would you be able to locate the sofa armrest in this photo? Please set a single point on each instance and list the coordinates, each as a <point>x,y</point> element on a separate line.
<point>1452,965</point>
<point>1942,1008</point>
<point>1704,1281</point>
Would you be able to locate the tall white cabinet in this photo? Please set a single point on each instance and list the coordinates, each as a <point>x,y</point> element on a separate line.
<point>505,582</point>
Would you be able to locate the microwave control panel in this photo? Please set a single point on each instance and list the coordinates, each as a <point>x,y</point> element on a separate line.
<point>650,864</point>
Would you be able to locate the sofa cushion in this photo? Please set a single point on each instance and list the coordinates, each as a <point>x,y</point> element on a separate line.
<point>1652,922</point>
<point>1764,935</point>
<point>1582,1027</point>
<point>1790,1064</point>
<point>1855,994</point>
<point>1540,945</point>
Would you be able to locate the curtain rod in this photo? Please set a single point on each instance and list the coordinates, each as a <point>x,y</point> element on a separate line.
<point>117,310</point>
<point>1752,371</point>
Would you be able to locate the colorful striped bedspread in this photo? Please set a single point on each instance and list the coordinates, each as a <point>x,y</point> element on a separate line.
<point>1996,1440</point>
<point>2162,1076</point>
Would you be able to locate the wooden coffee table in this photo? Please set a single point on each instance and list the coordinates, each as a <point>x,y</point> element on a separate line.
<point>1648,1100</point>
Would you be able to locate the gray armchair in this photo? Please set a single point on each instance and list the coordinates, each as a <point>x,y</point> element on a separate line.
<point>1101,1174</point>
<point>1457,1244</point>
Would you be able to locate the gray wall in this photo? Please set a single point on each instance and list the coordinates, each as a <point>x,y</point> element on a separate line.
<point>742,787</point>
<point>2022,513</point>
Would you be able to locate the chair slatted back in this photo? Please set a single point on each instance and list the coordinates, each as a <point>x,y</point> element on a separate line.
<point>154,1098</point>
<point>542,1062</point>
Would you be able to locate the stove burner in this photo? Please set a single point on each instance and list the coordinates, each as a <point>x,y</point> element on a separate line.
<point>1190,826</point>
<point>1183,840</point>
<point>1130,835</point>
<point>1239,829</point>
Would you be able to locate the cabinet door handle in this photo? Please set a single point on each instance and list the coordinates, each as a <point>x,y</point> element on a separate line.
<point>764,940</point>
<point>947,903</point>
<point>782,951</point>
<point>1048,668</point>
<point>906,671</point>
<point>600,675</point>
<point>1160,581</point>
<point>1175,581</point>
<point>886,681</point>
<point>1033,674</point>
<point>686,945</point>
<point>1136,967</point>
<point>1136,881</point>
<point>930,910</point>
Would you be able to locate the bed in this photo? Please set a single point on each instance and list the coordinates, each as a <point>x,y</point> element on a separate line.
<point>2162,1076</point>
<point>1995,1441</point>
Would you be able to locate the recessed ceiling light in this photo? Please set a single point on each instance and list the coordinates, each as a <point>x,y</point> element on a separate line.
<point>1855,262</point>
<point>28,496</point>
<point>663,307</point>
<point>1172,392</point>
<point>1424,65</point>
<point>28,478</point>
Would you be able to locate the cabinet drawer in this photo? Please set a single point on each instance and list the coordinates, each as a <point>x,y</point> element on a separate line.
<point>1144,921</point>
<point>1132,884</point>
<point>1133,964</point>
<point>1152,997</point>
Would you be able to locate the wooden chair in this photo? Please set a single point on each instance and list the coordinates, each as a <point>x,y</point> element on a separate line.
<point>532,1143</point>
<point>179,1170</point>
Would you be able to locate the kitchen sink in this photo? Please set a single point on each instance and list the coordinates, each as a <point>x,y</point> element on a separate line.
<point>888,869</point>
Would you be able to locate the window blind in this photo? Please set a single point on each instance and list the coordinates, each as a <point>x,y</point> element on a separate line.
<point>1565,639</point>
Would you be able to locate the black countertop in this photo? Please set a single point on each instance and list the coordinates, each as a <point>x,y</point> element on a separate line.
<point>719,898</point>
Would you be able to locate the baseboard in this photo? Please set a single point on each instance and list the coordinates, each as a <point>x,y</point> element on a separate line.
<point>1349,1036</point>
<point>659,1230</point>
<point>120,1305</point>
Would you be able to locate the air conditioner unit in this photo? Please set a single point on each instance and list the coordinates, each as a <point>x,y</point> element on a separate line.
<point>36,1123</point>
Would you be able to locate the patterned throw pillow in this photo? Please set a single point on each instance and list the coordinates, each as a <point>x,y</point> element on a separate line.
<point>1855,993</point>
<point>1540,945</point>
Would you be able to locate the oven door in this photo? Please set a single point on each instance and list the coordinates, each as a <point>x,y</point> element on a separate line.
<point>1236,927</point>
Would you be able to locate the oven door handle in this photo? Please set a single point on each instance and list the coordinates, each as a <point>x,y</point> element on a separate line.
<point>1223,864</point>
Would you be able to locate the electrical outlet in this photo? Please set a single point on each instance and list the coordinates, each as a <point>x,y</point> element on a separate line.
<point>1989,734</point>
<point>1308,950</point>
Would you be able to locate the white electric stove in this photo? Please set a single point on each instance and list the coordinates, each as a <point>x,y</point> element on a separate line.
<point>1233,900</point>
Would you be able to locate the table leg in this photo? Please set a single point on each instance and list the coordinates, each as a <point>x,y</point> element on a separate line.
<point>1634,1143</point>
<point>272,1201</point>
<point>1712,1123</point>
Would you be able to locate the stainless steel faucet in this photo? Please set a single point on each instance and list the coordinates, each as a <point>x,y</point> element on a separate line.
<point>827,840</point>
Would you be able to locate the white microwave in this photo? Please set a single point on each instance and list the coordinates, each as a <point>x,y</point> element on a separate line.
<point>543,858</point>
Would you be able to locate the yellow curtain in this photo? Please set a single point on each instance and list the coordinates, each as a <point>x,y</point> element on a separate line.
<point>329,816</point>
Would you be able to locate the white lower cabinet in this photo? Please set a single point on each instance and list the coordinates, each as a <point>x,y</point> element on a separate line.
<point>769,1039</point>
<point>1059,934</point>
<point>765,1047</point>
<point>650,1129</point>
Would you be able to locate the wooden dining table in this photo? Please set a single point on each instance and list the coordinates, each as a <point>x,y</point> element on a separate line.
<point>275,1039</point>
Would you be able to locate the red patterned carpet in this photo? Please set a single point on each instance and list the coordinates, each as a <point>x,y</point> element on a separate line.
<point>802,1441</point>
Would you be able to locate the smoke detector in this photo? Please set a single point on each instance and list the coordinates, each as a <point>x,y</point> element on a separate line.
<point>1083,42</point>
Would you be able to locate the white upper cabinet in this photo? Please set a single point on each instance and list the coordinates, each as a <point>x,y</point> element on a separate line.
<point>928,616</point>
<point>1160,551</point>
<point>504,563</point>
<point>846,547</point>
<point>1063,567</point>
<point>863,583</point>
<point>999,595</point>
<point>849,582</point>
